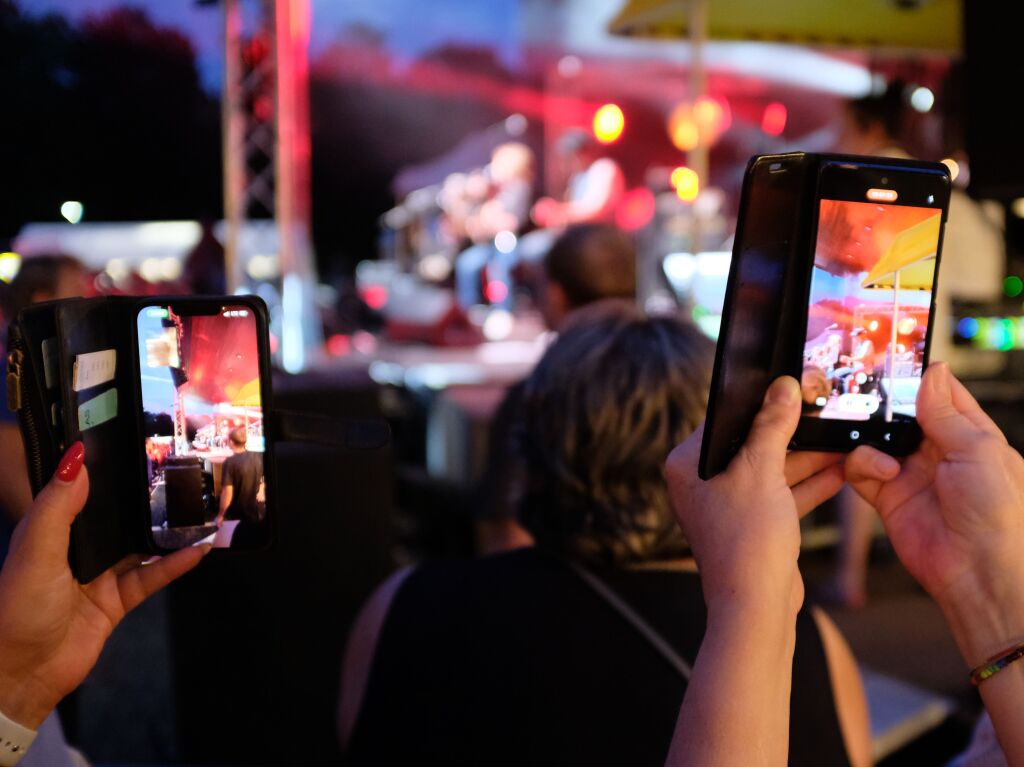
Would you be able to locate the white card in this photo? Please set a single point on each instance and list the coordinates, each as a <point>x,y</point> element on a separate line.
<point>94,368</point>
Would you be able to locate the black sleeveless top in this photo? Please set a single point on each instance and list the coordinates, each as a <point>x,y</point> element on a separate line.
<point>515,660</point>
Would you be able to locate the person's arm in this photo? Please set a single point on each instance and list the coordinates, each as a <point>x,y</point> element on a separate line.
<point>15,492</point>
<point>52,628</point>
<point>605,186</point>
<point>227,494</point>
<point>847,691</point>
<point>743,527</point>
<point>954,513</point>
<point>362,644</point>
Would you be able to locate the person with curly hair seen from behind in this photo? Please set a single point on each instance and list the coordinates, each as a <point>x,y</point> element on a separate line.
<point>577,650</point>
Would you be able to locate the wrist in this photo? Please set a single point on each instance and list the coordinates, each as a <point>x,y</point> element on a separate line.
<point>766,599</point>
<point>985,617</point>
<point>22,703</point>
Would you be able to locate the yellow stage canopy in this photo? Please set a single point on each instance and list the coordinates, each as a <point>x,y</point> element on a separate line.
<point>911,255</point>
<point>932,25</point>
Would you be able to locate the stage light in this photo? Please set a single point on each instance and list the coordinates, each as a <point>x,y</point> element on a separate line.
<point>682,128</point>
<point>922,99</point>
<point>498,325</point>
<point>873,325</point>
<point>687,183</point>
<point>968,327</point>
<point>906,326</point>
<point>635,210</point>
<point>496,291</point>
<point>609,122</point>
<point>10,263</point>
<point>504,241</point>
<point>338,345</point>
<point>375,296</point>
<point>569,66</point>
<point>1013,286</point>
<point>72,210</point>
<point>773,121</point>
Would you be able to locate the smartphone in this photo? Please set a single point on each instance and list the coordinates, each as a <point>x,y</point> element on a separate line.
<point>877,231</point>
<point>821,242</point>
<point>203,390</point>
<point>748,356</point>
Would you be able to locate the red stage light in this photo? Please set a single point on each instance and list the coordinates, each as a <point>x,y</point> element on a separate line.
<point>496,291</point>
<point>609,122</point>
<point>375,296</point>
<point>636,209</point>
<point>773,122</point>
<point>338,345</point>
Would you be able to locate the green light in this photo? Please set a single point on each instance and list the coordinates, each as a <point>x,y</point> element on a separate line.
<point>1013,286</point>
<point>157,312</point>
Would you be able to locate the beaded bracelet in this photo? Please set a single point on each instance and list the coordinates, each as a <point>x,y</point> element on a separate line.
<point>996,663</point>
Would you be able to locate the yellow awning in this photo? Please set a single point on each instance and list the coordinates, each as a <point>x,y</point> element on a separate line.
<point>933,26</point>
<point>912,255</point>
<point>247,395</point>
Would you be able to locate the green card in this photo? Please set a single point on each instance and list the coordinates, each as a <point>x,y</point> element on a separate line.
<point>99,409</point>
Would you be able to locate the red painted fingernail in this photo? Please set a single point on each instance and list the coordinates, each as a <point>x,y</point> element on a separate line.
<point>71,463</point>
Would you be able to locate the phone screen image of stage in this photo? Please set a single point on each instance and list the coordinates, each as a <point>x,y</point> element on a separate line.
<point>869,310</point>
<point>203,424</point>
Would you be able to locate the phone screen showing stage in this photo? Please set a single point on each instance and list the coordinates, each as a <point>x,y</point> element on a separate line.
<point>869,310</point>
<point>203,424</point>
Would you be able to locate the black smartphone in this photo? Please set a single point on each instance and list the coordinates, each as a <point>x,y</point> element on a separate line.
<point>748,357</point>
<point>203,388</point>
<point>832,282</point>
<point>877,232</point>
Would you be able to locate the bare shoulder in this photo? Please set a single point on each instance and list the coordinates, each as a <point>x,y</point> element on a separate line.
<point>362,643</point>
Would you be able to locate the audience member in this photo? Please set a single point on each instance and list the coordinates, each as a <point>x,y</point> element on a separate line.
<point>40,278</point>
<point>578,650</point>
<point>586,264</point>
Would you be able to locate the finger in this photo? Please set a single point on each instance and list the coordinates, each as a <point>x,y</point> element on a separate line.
<point>867,469</point>
<point>128,563</point>
<point>818,488</point>
<point>774,426</point>
<point>802,464</point>
<point>45,532</point>
<point>964,402</point>
<point>940,419</point>
<point>136,585</point>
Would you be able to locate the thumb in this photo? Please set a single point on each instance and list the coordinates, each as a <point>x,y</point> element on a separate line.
<point>939,418</point>
<point>774,425</point>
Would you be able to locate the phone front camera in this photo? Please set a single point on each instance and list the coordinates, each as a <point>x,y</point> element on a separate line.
<point>885,179</point>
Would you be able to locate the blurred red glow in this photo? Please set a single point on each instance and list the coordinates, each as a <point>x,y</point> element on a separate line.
<point>338,345</point>
<point>496,291</point>
<point>636,209</point>
<point>773,122</point>
<point>375,296</point>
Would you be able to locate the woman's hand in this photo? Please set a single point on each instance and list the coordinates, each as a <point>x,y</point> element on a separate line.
<point>52,628</point>
<point>744,524</point>
<point>954,512</point>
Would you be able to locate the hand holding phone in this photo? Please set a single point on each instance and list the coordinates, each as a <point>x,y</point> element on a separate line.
<point>832,282</point>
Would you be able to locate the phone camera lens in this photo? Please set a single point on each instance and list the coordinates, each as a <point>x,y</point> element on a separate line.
<point>885,179</point>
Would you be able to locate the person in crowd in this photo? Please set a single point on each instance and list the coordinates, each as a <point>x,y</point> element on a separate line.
<point>586,264</point>
<point>52,628</point>
<point>506,209</point>
<point>577,650</point>
<point>954,512</point>
<point>204,269</point>
<point>241,481</point>
<point>594,189</point>
<point>40,278</point>
<point>972,268</point>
